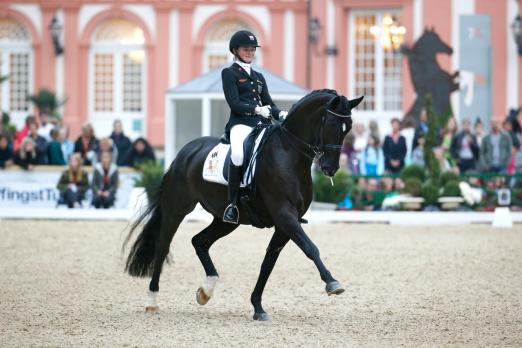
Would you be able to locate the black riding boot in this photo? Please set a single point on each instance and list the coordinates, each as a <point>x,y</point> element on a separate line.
<point>231,214</point>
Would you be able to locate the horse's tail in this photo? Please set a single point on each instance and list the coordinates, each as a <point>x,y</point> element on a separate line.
<point>140,262</point>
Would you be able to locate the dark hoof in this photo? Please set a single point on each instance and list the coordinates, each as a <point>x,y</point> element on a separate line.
<point>334,288</point>
<point>261,316</point>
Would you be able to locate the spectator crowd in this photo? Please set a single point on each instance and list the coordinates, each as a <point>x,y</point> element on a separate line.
<point>42,142</point>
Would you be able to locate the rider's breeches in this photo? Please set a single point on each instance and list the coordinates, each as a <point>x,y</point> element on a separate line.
<point>238,133</point>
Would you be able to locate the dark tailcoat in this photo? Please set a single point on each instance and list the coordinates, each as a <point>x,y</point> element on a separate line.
<point>243,93</point>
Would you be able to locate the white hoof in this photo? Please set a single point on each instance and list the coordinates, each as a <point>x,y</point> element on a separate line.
<point>205,291</point>
<point>152,309</point>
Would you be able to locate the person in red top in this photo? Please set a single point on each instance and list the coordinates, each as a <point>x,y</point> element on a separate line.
<point>21,134</point>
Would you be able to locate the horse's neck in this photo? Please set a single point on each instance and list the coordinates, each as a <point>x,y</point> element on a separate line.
<point>305,122</point>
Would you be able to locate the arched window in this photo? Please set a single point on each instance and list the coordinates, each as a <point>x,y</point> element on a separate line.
<point>117,63</point>
<point>16,63</point>
<point>216,52</point>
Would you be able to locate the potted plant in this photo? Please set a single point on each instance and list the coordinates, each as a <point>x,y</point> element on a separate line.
<point>451,197</point>
<point>150,177</point>
<point>47,101</point>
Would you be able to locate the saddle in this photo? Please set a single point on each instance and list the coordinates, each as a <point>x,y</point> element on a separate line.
<point>215,169</point>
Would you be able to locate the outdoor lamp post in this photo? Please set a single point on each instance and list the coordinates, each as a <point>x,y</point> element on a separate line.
<point>516,27</point>
<point>56,30</point>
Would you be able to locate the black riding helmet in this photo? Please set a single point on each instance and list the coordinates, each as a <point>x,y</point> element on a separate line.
<point>242,38</point>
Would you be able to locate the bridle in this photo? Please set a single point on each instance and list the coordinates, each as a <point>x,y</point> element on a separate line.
<point>316,150</point>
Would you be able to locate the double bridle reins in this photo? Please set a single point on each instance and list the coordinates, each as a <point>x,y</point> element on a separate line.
<point>318,149</point>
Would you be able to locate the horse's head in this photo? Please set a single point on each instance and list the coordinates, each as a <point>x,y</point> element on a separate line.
<point>431,43</point>
<point>335,124</point>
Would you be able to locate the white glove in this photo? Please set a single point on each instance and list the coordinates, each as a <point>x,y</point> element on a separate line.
<point>264,111</point>
<point>282,115</point>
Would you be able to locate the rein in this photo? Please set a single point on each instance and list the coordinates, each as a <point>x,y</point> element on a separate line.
<point>313,151</point>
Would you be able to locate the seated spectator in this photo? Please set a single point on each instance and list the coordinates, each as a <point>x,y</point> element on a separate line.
<point>104,182</point>
<point>6,152</point>
<point>140,152</point>
<point>40,144</point>
<point>20,135</point>
<point>73,183</point>
<point>464,148</point>
<point>45,126</point>
<point>394,149</point>
<point>67,144</point>
<point>26,155</point>
<point>122,143</point>
<point>417,155</point>
<point>372,158</point>
<point>56,157</point>
<point>87,144</point>
<point>106,145</point>
<point>495,152</point>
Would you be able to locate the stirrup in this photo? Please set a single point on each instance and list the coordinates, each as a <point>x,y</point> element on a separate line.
<point>233,214</point>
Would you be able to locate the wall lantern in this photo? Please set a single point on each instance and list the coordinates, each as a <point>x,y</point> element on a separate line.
<point>56,31</point>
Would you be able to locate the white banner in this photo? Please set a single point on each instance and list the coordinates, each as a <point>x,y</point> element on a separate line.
<point>37,189</point>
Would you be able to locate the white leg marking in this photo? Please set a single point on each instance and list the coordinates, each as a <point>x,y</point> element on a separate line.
<point>209,285</point>
<point>152,299</point>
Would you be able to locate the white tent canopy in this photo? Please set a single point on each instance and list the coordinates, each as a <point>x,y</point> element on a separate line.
<point>198,108</point>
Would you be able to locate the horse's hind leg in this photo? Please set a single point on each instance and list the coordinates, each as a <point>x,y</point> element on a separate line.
<point>277,243</point>
<point>202,243</point>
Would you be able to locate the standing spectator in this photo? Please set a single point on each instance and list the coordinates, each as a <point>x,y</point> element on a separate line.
<point>26,155</point>
<point>374,130</point>
<point>140,152</point>
<point>351,155</point>
<point>464,148</point>
<point>495,152</point>
<point>67,144</point>
<point>417,155</point>
<point>447,135</point>
<point>479,132</point>
<point>6,152</point>
<point>45,127</point>
<point>422,127</point>
<point>508,128</point>
<point>359,131</point>
<point>20,135</point>
<point>87,144</point>
<point>73,183</point>
<point>104,182</point>
<point>40,144</point>
<point>56,157</point>
<point>123,144</point>
<point>408,131</point>
<point>394,149</point>
<point>372,158</point>
<point>444,164</point>
<point>106,145</point>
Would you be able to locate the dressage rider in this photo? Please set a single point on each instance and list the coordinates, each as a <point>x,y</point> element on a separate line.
<point>250,103</point>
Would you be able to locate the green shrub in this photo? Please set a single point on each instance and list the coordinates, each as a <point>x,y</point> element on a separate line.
<point>451,189</point>
<point>325,192</point>
<point>413,186</point>
<point>430,193</point>
<point>413,171</point>
<point>447,177</point>
<point>46,101</point>
<point>150,176</point>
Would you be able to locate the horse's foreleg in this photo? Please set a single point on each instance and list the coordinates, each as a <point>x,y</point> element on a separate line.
<point>202,243</point>
<point>290,225</point>
<point>277,243</point>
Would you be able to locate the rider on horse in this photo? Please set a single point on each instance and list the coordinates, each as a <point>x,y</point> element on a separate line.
<point>250,103</point>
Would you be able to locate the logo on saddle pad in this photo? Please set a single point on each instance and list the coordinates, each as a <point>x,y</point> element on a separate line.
<point>219,156</point>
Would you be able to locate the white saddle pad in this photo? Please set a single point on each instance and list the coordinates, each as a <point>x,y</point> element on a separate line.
<point>213,166</point>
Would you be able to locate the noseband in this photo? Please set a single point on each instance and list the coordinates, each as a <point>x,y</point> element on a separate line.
<point>319,147</point>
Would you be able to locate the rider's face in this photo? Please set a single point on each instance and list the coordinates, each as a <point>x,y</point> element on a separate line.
<point>246,53</point>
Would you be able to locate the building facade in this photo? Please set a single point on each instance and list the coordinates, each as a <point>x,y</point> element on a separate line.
<point>120,57</point>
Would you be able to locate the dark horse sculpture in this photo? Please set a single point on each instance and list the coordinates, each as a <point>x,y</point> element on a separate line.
<point>314,128</point>
<point>427,76</point>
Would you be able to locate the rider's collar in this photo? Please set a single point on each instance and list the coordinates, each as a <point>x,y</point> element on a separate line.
<point>246,66</point>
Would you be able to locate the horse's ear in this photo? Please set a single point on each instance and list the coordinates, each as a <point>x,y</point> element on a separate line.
<point>354,102</point>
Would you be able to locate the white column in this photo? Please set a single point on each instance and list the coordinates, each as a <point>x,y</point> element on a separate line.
<point>512,58</point>
<point>205,114</point>
<point>289,39</point>
<point>173,48</point>
<point>417,19</point>
<point>330,40</point>
<point>458,8</point>
<point>59,64</point>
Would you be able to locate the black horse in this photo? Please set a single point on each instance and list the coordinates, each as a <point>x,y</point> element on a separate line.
<point>427,76</point>
<point>314,128</point>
